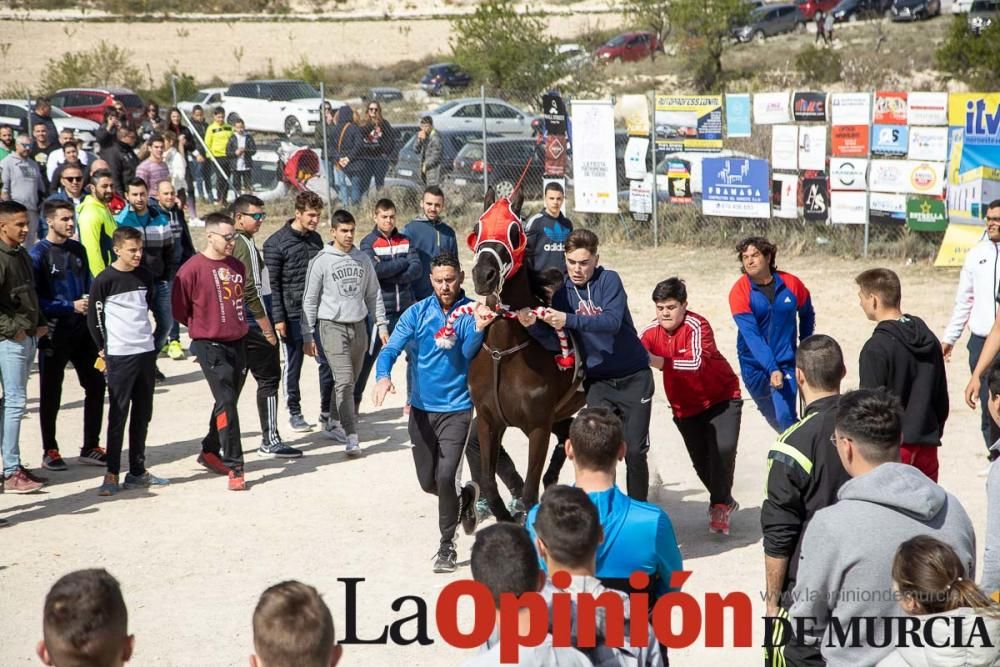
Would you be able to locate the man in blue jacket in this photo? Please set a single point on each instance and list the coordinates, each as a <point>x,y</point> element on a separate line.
<point>430,236</point>
<point>592,304</point>
<point>441,407</point>
<point>397,266</point>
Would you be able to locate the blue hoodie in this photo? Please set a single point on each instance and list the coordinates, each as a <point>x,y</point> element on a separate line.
<point>440,379</point>
<point>638,536</point>
<point>598,313</point>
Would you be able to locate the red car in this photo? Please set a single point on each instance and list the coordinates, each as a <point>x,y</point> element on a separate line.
<point>628,47</point>
<point>90,102</point>
<point>808,8</point>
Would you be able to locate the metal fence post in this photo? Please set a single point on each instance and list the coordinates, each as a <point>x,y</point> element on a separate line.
<point>200,141</point>
<point>326,157</point>
<point>486,162</point>
<point>173,88</point>
<point>655,191</point>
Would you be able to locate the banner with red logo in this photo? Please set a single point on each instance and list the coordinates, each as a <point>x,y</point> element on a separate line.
<point>849,140</point>
<point>555,155</point>
<point>890,108</point>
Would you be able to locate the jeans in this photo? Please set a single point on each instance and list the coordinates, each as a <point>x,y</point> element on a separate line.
<point>292,342</point>
<point>162,314</point>
<point>348,188</point>
<point>15,363</point>
<point>344,344</point>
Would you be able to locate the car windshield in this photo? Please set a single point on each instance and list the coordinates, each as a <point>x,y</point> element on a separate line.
<point>293,90</point>
<point>616,41</point>
<point>56,112</point>
<point>472,151</point>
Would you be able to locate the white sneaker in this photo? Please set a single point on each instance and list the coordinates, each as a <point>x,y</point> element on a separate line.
<point>353,448</point>
<point>335,431</point>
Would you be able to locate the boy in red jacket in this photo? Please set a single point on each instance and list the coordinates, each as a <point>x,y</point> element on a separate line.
<point>703,392</point>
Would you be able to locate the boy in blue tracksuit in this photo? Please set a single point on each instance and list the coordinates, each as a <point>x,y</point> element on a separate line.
<point>773,311</point>
<point>592,304</point>
<point>441,407</point>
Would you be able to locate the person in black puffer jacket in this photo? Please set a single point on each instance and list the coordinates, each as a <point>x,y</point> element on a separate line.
<point>287,254</point>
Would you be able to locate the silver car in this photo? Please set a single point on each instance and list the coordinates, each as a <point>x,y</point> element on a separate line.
<point>466,114</point>
<point>15,114</point>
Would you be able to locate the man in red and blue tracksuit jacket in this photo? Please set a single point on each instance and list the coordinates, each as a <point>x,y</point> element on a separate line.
<point>766,318</point>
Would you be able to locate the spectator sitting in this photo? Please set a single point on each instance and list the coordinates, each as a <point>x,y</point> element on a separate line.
<point>85,622</point>
<point>240,150</point>
<point>638,535</point>
<point>931,581</point>
<point>504,561</point>
<point>293,627</point>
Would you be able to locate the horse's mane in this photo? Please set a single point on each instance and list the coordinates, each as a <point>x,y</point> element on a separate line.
<point>544,284</point>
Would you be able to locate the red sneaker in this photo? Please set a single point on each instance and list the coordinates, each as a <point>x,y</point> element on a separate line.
<point>213,462</point>
<point>718,514</point>
<point>236,481</point>
<point>19,482</point>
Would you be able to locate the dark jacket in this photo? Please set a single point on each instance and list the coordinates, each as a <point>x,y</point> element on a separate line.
<point>904,356</point>
<point>804,474</point>
<point>55,185</point>
<point>122,161</point>
<point>251,149</point>
<point>545,238</point>
<point>287,254</point>
<point>62,276</point>
<point>197,134</point>
<point>380,141</point>
<point>429,239</point>
<point>397,266</point>
<point>19,307</point>
<point>50,127</point>
<point>347,141</point>
<point>182,248</point>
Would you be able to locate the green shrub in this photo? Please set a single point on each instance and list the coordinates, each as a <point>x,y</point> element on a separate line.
<point>104,65</point>
<point>818,65</point>
<point>973,59</point>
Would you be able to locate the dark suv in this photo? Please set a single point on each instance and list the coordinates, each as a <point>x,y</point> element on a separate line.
<point>915,10</point>
<point>858,10</point>
<point>442,76</point>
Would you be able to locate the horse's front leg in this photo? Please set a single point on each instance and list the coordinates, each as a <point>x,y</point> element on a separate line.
<point>490,437</point>
<point>538,447</point>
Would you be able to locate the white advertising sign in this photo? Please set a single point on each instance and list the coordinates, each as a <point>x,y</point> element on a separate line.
<point>595,186</point>
<point>848,208</point>
<point>889,203</point>
<point>907,177</point>
<point>851,108</point>
<point>928,143</point>
<point>784,195</point>
<point>771,108</point>
<point>928,109</point>
<point>636,151</point>
<point>848,173</point>
<point>812,147</point>
<point>785,147</point>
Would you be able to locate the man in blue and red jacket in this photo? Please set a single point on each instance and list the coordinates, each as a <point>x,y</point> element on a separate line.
<point>765,303</point>
<point>397,265</point>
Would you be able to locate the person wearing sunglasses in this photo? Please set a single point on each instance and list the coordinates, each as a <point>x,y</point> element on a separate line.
<point>208,298</point>
<point>379,149</point>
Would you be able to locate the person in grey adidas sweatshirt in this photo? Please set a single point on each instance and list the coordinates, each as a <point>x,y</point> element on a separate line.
<point>341,290</point>
<point>845,565</point>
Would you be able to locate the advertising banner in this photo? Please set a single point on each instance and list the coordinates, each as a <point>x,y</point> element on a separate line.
<point>784,195</point>
<point>848,208</point>
<point>785,147</point>
<point>849,140</point>
<point>679,181</point>
<point>771,108</point>
<point>907,177</point>
<point>555,155</point>
<point>595,187</point>
<point>848,174</point>
<point>886,209</point>
<point>640,199</point>
<point>738,115</point>
<point>890,108</point>
<point>554,114</point>
<point>636,151</point>
<point>890,140</point>
<point>735,187</point>
<point>928,109</point>
<point>809,107</point>
<point>815,199</point>
<point>850,108</point>
<point>634,110</point>
<point>974,154</point>
<point>928,143</point>
<point>958,241</point>
<point>926,214</point>
<point>812,147</point>
<point>689,122</point>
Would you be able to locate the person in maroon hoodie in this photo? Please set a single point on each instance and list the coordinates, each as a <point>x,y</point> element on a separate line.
<point>208,298</point>
<point>703,392</point>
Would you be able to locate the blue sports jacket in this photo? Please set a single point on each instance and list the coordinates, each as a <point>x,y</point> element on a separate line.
<point>638,536</point>
<point>440,381</point>
<point>767,331</point>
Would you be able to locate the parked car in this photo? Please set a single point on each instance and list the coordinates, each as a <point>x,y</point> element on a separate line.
<point>444,76</point>
<point>408,164</point>
<point>467,114</point>
<point>915,10</point>
<point>505,161</point>
<point>15,114</point>
<point>859,10</point>
<point>572,55</point>
<point>628,47</point>
<point>767,21</point>
<point>384,94</point>
<point>981,15</point>
<point>279,106</point>
<point>207,98</point>
<point>404,132</point>
<point>90,103</point>
<point>808,8</point>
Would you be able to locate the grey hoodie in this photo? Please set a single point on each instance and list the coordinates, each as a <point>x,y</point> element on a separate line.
<point>341,287</point>
<point>976,655</point>
<point>845,565</point>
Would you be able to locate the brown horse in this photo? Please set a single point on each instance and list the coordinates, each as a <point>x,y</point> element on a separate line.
<point>514,380</point>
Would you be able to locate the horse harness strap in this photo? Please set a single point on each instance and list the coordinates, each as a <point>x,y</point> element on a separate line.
<point>498,356</point>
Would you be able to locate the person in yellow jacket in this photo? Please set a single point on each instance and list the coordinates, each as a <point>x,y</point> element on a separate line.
<point>216,139</point>
<point>95,222</point>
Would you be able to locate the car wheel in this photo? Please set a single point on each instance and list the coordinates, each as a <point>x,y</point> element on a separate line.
<point>232,117</point>
<point>759,36</point>
<point>503,188</point>
<point>292,127</point>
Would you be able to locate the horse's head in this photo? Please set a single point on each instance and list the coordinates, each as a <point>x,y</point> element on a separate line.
<point>499,244</point>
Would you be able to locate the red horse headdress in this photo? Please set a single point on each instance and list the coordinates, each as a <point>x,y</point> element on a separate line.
<point>499,225</point>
